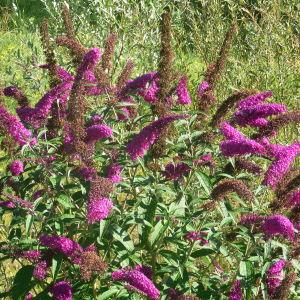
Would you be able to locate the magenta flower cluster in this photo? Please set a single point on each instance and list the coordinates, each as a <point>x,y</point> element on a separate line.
<point>237,144</point>
<point>40,270</point>
<point>114,171</point>
<point>254,99</point>
<point>205,159</point>
<point>62,245</point>
<point>275,276</point>
<point>236,291</point>
<point>182,92</point>
<point>176,171</point>
<point>36,116</point>
<point>87,173</point>
<point>293,199</point>
<point>13,126</point>
<point>62,290</point>
<point>99,209</point>
<point>137,281</point>
<point>202,88</point>
<point>148,135</point>
<point>255,115</point>
<point>97,132</point>
<point>271,225</point>
<point>197,236</point>
<point>278,225</point>
<point>280,166</point>
<point>16,167</point>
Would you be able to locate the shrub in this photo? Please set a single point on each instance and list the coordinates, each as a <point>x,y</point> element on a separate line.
<point>118,188</point>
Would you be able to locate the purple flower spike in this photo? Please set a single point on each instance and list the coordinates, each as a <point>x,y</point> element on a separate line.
<point>31,255</point>
<point>139,82</point>
<point>138,282</point>
<point>16,167</point>
<point>275,276</point>
<point>97,132</point>
<point>236,291</point>
<point>230,132</point>
<point>203,87</point>
<point>62,245</point>
<point>91,83</point>
<point>250,219</point>
<point>18,201</point>
<point>241,147</point>
<point>96,120</point>
<point>182,92</point>
<point>29,296</point>
<point>278,225</point>
<point>284,158</point>
<point>254,99</point>
<point>62,290</point>
<point>146,270</point>
<point>99,210</point>
<point>148,135</point>
<point>89,62</point>
<point>61,73</point>
<point>293,200</point>
<point>37,115</point>
<point>150,93</point>
<point>248,114</point>
<point>16,93</point>
<point>7,204</point>
<point>114,173</point>
<point>206,159</point>
<point>197,236</point>
<point>40,270</point>
<point>260,122</point>
<point>175,172</point>
<point>87,173</point>
<point>14,127</point>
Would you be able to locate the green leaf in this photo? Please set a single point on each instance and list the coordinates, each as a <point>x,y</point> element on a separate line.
<point>107,295</point>
<point>202,252</point>
<point>204,181</point>
<point>101,230</point>
<point>65,201</point>
<point>29,222</point>
<point>245,268</point>
<point>56,264</point>
<point>67,216</point>
<point>154,235</point>
<point>123,238</point>
<point>22,283</point>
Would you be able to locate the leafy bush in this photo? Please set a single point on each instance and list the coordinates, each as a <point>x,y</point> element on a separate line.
<point>119,188</point>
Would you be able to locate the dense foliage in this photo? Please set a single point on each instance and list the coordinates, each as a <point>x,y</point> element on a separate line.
<point>121,188</point>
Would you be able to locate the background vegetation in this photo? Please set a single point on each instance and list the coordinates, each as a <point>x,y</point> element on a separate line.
<point>265,54</point>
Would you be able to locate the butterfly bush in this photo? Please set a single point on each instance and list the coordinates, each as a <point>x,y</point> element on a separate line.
<point>16,167</point>
<point>99,209</point>
<point>114,171</point>
<point>148,135</point>
<point>235,291</point>
<point>275,276</point>
<point>97,132</point>
<point>14,128</point>
<point>62,290</point>
<point>182,92</point>
<point>137,281</point>
<point>150,187</point>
